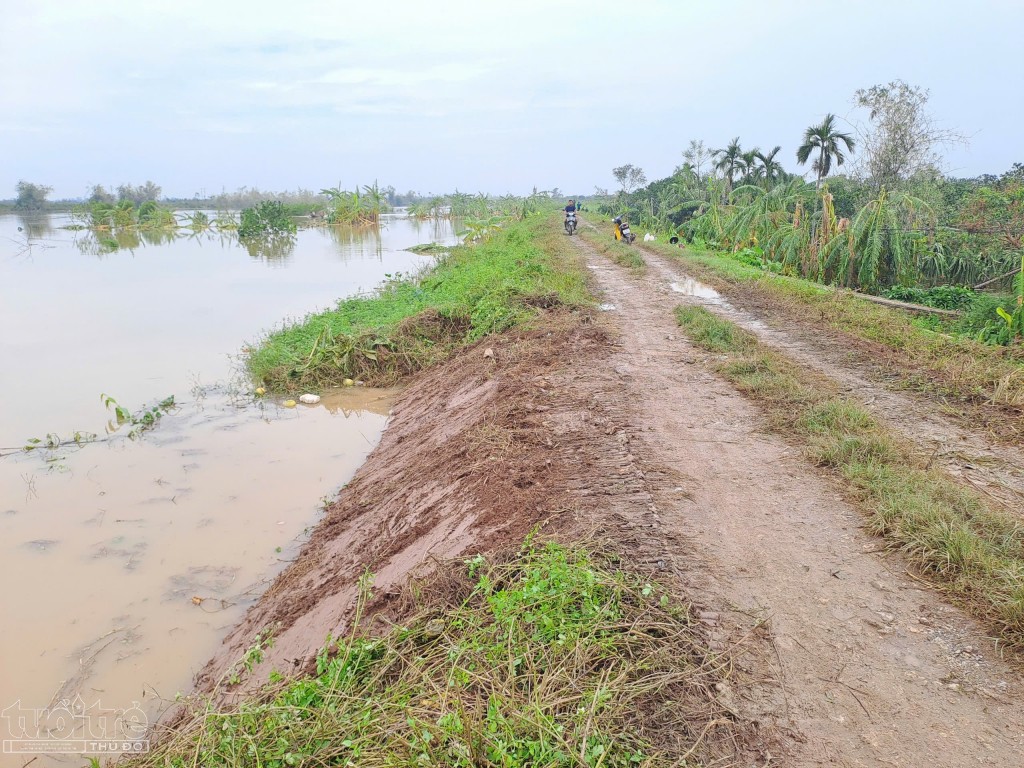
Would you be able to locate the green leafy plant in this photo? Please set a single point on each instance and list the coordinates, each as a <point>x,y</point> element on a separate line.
<point>265,218</point>
<point>142,420</point>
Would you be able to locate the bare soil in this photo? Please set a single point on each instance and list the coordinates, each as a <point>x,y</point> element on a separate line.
<point>610,425</point>
<point>978,444</point>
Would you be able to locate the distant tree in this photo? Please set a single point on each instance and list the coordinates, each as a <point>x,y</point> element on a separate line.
<point>824,140</point>
<point>767,168</point>
<point>902,138</point>
<point>728,161</point>
<point>697,155</point>
<point>101,195</point>
<point>629,177</point>
<point>31,197</point>
<point>1014,175</point>
<point>148,192</point>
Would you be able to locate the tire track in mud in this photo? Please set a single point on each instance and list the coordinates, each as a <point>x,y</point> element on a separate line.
<point>877,668</point>
<point>994,469</point>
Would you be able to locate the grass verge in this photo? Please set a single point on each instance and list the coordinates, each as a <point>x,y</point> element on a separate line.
<point>923,359</point>
<point>549,656</point>
<point>413,321</point>
<point>624,255</point>
<point>968,548</point>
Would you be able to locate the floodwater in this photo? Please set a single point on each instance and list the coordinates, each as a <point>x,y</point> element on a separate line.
<point>124,562</point>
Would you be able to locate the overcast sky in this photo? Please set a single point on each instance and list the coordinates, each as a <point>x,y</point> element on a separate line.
<point>200,95</point>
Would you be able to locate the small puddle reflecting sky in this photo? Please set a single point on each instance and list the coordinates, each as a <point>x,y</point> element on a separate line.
<point>123,563</point>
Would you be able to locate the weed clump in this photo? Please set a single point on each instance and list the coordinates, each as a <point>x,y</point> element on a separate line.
<point>549,656</point>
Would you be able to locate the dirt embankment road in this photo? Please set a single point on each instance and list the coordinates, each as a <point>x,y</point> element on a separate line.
<point>614,425</point>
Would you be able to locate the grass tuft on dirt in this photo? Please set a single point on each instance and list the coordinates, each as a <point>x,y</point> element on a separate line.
<point>624,255</point>
<point>924,359</point>
<point>414,321</point>
<point>970,549</point>
<point>551,655</point>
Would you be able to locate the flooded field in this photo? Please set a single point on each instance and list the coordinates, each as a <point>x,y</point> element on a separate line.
<point>123,562</point>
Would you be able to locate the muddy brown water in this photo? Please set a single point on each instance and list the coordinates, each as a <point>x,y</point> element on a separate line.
<point>123,563</point>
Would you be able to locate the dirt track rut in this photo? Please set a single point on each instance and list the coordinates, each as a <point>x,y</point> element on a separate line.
<point>878,670</point>
<point>970,455</point>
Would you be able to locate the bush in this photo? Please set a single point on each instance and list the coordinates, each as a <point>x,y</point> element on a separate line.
<point>266,218</point>
<point>940,297</point>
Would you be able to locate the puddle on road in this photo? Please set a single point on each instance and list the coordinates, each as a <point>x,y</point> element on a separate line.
<point>606,307</point>
<point>690,287</point>
<point>687,286</point>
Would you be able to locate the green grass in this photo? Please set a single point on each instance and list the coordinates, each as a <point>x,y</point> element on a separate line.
<point>968,548</point>
<point>413,321</point>
<point>624,255</point>
<point>923,358</point>
<point>547,656</point>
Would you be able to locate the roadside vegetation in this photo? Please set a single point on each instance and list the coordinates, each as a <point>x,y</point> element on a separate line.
<point>550,655</point>
<point>879,217</point>
<point>412,321</point>
<point>928,355</point>
<point>969,549</point>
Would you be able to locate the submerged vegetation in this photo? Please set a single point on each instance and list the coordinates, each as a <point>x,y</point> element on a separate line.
<point>267,218</point>
<point>970,549</point>
<point>549,656</point>
<point>413,320</point>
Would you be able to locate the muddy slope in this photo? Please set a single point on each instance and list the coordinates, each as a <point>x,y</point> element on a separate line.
<point>477,453</point>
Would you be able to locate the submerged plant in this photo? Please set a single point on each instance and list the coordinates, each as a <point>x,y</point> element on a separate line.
<point>141,420</point>
<point>265,218</point>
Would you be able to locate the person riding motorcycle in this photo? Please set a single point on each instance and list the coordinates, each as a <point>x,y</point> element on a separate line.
<point>570,211</point>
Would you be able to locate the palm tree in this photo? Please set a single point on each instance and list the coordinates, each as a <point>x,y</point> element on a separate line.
<point>746,165</point>
<point>769,169</point>
<point>825,140</point>
<point>729,160</point>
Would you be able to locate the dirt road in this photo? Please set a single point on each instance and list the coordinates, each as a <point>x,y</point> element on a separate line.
<point>962,447</point>
<point>877,669</point>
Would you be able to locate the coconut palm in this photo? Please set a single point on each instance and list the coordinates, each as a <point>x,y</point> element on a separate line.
<point>768,169</point>
<point>824,139</point>
<point>746,165</point>
<point>729,161</point>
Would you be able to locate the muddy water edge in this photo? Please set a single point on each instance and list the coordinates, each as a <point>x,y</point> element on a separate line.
<point>124,562</point>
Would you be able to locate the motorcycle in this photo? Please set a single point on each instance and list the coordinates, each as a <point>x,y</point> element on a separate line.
<point>570,223</point>
<point>623,232</point>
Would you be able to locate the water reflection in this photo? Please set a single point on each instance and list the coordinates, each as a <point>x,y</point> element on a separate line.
<point>35,225</point>
<point>272,249</point>
<point>357,242</point>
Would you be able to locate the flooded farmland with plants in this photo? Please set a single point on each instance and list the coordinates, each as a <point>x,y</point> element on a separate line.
<point>160,494</point>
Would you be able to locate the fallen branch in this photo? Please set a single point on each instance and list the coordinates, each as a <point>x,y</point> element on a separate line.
<point>908,306</point>
<point>997,279</point>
